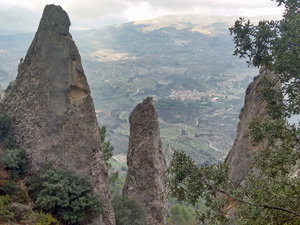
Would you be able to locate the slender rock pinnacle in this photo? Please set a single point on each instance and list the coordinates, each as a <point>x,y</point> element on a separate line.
<point>241,155</point>
<point>147,172</point>
<point>52,108</point>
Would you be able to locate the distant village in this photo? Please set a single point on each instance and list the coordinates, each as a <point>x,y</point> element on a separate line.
<point>195,95</point>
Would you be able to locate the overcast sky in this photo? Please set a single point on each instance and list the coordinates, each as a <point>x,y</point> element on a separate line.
<point>97,13</point>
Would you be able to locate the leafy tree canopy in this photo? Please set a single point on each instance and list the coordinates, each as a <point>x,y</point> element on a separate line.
<point>274,196</point>
<point>128,211</point>
<point>107,149</point>
<point>276,45</point>
<point>5,125</point>
<point>65,195</point>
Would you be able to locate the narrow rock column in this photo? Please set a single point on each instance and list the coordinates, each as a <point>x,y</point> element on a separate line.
<point>147,171</point>
<point>240,157</point>
<point>52,108</point>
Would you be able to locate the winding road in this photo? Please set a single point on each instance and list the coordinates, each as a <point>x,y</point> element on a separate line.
<point>137,91</point>
<point>214,148</point>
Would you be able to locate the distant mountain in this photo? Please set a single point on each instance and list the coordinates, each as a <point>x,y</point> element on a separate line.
<point>13,46</point>
<point>184,62</point>
<point>203,24</point>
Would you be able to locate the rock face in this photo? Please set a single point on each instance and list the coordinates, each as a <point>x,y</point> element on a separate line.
<point>2,94</point>
<point>241,154</point>
<point>146,176</point>
<point>52,108</point>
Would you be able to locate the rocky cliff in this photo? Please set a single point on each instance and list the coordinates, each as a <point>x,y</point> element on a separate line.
<point>242,152</point>
<point>2,94</point>
<point>146,177</point>
<point>52,108</point>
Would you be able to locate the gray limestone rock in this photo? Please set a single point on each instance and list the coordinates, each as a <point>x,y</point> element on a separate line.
<point>240,157</point>
<point>146,179</point>
<point>52,108</point>
<point>2,94</point>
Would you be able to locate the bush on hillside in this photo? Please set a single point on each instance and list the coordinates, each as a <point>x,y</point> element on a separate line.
<point>8,189</point>
<point>128,211</point>
<point>13,158</point>
<point>65,195</point>
<point>179,215</point>
<point>44,219</point>
<point>15,161</point>
<point>5,214</point>
<point>9,142</point>
<point>5,124</point>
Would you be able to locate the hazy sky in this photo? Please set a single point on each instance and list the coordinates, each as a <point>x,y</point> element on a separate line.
<point>96,13</point>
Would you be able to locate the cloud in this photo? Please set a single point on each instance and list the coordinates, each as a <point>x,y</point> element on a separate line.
<point>96,8</point>
<point>18,17</point>
<point>188,4</point>
<point>135,9</point>
<point>96,13</point>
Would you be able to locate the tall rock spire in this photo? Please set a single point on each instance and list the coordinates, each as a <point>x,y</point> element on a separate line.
<point>52,107</point>
<point>241,155</point>
<point>147,172</point>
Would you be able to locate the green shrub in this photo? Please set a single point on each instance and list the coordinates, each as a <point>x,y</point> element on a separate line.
<point>128,211</point>
<point>15,161</point>
<point>40,219</point>
<point>16,193</point>
<point>5,214</point>
<point>46,219</point>
<point>9,142</point>
<point>5,124</point>
<point>13,158</point>
<point>65,195</point>
<point>107,149</point>
<point>180,215</point>
<point>8,189</point>
<point>22,196</point>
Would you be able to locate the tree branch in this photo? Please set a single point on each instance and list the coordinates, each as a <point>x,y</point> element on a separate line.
<point>293,44</point>
<point>246,202</point>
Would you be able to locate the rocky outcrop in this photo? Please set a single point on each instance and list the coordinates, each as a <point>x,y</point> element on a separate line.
<point>2,94</point>
<point>147,172</point>
<point>242,152</point>
<point>52,108</point>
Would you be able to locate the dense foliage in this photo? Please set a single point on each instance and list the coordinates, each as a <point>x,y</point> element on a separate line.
<point>13,157</point>
<point>188,182</point>
<point>273,197</point>
<point>107,149</point>
<point>180,215</point>
<point>128,211</point>
<point>5,213</point>
<point>5,124</point>
<point>64,194</point>
<point>21,214</point>
<point>15,161</point>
